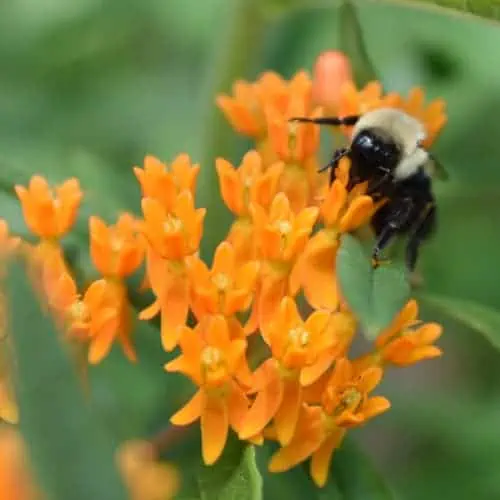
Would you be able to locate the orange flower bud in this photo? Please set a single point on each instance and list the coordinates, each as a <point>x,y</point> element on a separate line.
<point>331,70</point>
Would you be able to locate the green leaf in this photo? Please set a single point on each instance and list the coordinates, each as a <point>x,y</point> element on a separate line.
<point>240,37</point>
<point>355,476</point>
<point>374,295</point>
<point>234,476</point>
<point>484,8</point>
<point>351,42</point>
<point>73,456</point>
<point>390,292</point>
<point>481,318</point>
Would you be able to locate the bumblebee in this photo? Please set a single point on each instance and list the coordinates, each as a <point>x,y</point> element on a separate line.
<point>387,151</point>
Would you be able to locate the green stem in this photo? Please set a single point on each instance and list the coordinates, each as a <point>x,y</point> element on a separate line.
<point>239,46</point>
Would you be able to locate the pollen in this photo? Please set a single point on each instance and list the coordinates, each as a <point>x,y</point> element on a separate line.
<point>283,226</point>
<point>172,224</point>
<point>79,311</point>
<point>221,281</point>
<point>211,357</point>
<point>299,336</point>
<point>351,399</point>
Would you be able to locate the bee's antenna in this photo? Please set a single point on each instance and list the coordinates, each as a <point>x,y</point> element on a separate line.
<point>328,120</point>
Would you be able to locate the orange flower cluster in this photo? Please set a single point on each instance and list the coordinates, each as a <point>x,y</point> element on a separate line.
<point>307,393</point>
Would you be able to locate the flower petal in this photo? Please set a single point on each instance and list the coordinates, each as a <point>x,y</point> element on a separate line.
<point>190,412</point>
<point>214,428</point>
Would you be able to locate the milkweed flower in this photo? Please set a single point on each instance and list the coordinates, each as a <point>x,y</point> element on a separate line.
<point>241,187</point>
<point>332,69</point>
<point>214,362</point>
<point>146,478</point>
<point>406,341</point>
<point>341,211</point>
<point>49,214</point>
<point>345,404</point>
<point>295,344</point>
<point>116,251</point>
<point>356,102</point>
<point>16,481</point>
<point>171,236</point>
<point>8,407</point>
<point>163,182</point>
<point>97,317</point>
<point>280,237</point>
<point>225,289</point>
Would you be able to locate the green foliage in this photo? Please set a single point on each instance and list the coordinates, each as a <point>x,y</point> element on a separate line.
<point>351,41</point>
<point>484,8</point>
<point>478,317</point>
<point>70,450</point>
<point>234,476</point>
<point>374,294</point>
<point>355,476</point>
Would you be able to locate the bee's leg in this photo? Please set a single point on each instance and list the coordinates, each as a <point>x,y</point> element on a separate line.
<point>419,232</point>
<point>390,220</point>
<point>332,164</point>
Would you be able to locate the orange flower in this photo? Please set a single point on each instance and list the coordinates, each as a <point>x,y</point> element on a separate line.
<point>407,341</point>
<point>280,236</point>
<point>331,70</point>
<point>245,111</point>
<point>356,102</point>
<point>110,314</point>
<point>248,183</point>
<point>47,214</point>
<point>99,317</point>
<point>9,412</point>
<point>117,251</point>
<point>214,362</point>
<point>432,116</point>
<point>345,404</point>
<point>341,212</point>
<point>145,477</point>
<point>295,345</point>
<point>8,243</point>
<point>163,183</point>
<point>226,289</point>
<point>176,234</point>
<point>16,481</point>
<point>170,284</point>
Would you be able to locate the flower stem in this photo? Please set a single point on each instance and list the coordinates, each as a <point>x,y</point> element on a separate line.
<point>238,47</point>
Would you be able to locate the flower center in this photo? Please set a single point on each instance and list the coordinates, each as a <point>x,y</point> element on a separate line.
<point>172,224</point>
<point>79,311</point>
<point>116,244</point>
<point>350,400</point>
<point>283,226</point>
<point>221,281</point>
<point>299,336</point>
<point>211,357</point>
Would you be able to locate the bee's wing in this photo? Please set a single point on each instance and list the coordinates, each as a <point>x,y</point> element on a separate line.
<point>435,168</point>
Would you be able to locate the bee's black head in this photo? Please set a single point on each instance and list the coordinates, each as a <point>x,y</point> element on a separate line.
<point>370,151</point>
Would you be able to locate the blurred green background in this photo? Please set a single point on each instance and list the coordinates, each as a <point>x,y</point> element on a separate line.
<point>88,87</point>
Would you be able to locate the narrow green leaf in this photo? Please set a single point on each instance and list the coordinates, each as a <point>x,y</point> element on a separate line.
<point>234,476</point>
<point>351,41</point>
<point>355,475</point>
<point>375,295</point>
<point>481,318</point>
<point>489,9</point>
<point>71,453</point>
<point>240,38</point>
